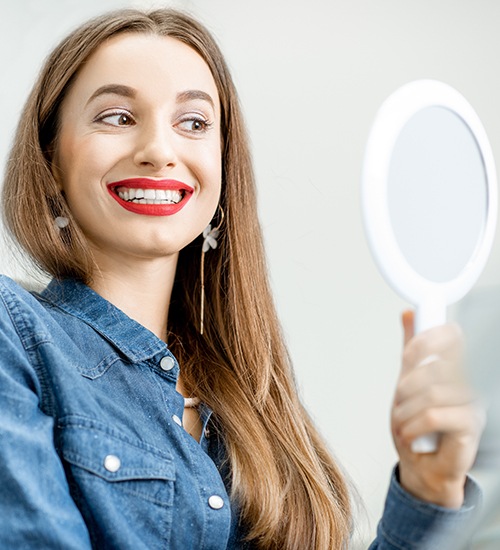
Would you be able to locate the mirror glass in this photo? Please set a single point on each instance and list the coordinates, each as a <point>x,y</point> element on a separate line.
<point>437,193</point>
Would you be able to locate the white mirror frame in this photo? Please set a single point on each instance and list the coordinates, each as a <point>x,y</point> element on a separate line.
<point>429,297</point>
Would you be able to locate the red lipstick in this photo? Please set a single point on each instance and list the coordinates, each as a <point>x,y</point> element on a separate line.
<point>158,209</point>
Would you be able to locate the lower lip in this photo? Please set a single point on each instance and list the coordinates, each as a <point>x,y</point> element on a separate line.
<point>152,209</point>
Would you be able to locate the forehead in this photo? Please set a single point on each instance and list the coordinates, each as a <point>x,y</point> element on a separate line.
<point>149,61</point>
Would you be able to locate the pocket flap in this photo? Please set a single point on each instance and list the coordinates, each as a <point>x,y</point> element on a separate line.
<point>112,456</point>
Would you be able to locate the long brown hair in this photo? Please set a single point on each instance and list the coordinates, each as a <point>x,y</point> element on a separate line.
<point>291,493</point>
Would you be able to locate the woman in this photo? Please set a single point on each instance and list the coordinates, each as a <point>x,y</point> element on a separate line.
<point>149,383</point>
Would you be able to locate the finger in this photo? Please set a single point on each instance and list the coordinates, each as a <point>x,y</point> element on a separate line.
<point>433,397</point>
<point>445,341</point>
<point>431,372</point>
<point>408,321</point>
<point>457,421</point>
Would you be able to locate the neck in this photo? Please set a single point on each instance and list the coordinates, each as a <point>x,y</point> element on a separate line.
<point>141,288</point>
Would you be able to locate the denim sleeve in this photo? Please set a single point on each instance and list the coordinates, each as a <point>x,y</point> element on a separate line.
<point>410,524</point>
<point>36,509</point>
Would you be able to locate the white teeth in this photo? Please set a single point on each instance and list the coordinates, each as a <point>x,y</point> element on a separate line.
<point>151,196</point>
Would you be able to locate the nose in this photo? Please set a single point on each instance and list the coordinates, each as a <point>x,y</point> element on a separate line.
<point>155,146</point>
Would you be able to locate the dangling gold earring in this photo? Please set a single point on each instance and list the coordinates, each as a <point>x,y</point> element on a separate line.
<point>209,241</point>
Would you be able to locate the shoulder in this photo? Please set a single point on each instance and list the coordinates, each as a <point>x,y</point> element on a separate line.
<point>7,282</point>
<point>15,294</point>
<point>9,286</point>
<point>12,293</point>
<point>20,311</point>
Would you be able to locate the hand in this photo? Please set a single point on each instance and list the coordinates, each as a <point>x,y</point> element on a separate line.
<point>432,395</point>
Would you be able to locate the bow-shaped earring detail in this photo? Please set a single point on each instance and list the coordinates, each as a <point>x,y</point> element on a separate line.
<point>209,241</point>
<point>210,238</point>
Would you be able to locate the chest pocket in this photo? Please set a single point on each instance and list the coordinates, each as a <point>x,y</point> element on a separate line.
<point>123,487</point>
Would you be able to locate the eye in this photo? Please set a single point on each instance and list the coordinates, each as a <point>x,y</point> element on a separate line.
<point>117,118</point>
<point>197,125</point>
<point>194,125</point>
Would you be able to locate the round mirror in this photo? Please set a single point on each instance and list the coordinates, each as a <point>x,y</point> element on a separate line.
<point>429,197</point>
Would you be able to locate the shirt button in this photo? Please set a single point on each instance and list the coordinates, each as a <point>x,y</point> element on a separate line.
<point>177,420</point>
<point>167,363</point>
<point>112,463</point>
<point>215,502</point>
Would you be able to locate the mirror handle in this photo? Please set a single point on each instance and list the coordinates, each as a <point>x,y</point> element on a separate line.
<point>430,313</point>
<point>427,443</point>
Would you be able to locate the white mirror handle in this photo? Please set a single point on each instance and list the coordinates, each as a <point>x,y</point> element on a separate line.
<point>425,444</point>
<point>428,314</point>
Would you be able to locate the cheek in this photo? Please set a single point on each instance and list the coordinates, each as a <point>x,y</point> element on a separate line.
<point>79,150</point>
<point>78,166</point>
<point>82,164</point>
<point>213,168</point>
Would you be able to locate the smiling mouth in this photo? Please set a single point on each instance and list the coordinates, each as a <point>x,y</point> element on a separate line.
<point>150,196</point>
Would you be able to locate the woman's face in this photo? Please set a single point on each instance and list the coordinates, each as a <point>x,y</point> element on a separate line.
<point>138,154</point>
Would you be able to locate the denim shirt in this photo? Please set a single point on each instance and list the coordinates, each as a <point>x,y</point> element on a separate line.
<point>93,453</point>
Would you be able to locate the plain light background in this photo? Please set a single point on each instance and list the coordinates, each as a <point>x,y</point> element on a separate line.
<point>311,76</point>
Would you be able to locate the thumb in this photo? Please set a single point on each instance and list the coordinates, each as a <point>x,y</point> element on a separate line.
<point>408,322</point>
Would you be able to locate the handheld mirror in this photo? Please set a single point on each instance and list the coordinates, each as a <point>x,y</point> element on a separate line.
<point>429,200</point>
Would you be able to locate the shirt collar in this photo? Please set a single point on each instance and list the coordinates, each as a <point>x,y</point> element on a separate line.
<point>131,338</point>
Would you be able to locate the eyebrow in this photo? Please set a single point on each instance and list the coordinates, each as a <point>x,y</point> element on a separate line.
<point>189,95</point>
<point>127,91</point>
<point>116,89</point>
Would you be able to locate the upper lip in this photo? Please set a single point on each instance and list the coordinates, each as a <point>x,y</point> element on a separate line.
<point>149,183</point>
